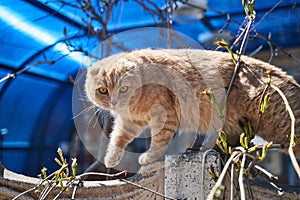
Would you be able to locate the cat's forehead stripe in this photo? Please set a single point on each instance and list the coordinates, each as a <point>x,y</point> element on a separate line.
<point>111,78</point>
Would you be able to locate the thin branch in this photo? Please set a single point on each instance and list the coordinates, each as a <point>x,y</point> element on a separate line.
<point>75,189</point>
<point>124,180</point>
<point>259,106</point>
<point>292,139</point>
<point>239,37</point>
<point>264,171</point>
<point>101,174</point>
<point>279,190</point>
<point>14,75</point>
<point>267,13</point>
<point>241,52</point>
<point>228,20</point>
<point>152,12</point>
<point>46,191</point>
<point>147,189</point>
<point>227,15</point>
<point>222,175</point>
<point>71,49</point>
<point>25,192</point>
<point>231,181</point>
<point>63,189</point>
<point>203,170</point>
<point>36,187</point>
<point>269,40</point>
<point>272,52</point>
<point>241,175</point>
<point>258,49</point>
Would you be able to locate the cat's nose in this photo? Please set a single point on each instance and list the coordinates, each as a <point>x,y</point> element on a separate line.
<point>113,102</point>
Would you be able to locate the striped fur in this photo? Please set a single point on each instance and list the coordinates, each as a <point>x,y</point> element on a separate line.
<point>165,92</point>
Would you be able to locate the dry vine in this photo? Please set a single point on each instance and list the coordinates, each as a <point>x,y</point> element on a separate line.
<point>62,178</point>
<point>243,152</point>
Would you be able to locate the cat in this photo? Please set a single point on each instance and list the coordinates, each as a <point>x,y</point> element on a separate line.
<point>165,90</point>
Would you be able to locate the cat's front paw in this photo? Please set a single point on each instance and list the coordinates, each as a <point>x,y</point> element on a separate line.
<point>149,157</point>
<point>113,157</point>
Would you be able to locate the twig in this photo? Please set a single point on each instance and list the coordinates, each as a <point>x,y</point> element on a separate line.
<point>34,188</point>
<point>63,189</point>
<point>231,181</point>
<point>203,170</point>
<point>147,189</point>
<point>101,174</point>
<point>74,190</point>
<point>25,192</point>
<point>126,181</point>
<point>241,175</point>
<point>202,9</point>
<point>267,13</point>
<point>268,174</point>
<point>222,175</point>
<point>48,62</point>
<point>46,191</point>
<point>279,190</point>
<point>269,40</point>
<point>258,49</point>
<point>260,103</point>
<point>272,52</point>
<point>239,37</point>
<point>228,20</point>
<point>292,139</point>
<point>157,12</point>
<point>241,52</point>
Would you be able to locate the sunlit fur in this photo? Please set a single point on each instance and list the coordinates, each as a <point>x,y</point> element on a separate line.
<point>171,106</point>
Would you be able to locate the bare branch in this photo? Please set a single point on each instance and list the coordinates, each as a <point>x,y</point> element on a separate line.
<point>271,42</point>
<point>231,181</point>
<point>148,189</point>
<point>14,75</point>
<point>241,52</point>
<point>222,175</point>
<point>267,13</point>
<point>241,174</point>
<point>268,174</point>
<point>292,139</point>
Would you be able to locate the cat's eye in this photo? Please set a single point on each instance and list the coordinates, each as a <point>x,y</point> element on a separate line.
<point>123,89</point>
<point>102,90</point>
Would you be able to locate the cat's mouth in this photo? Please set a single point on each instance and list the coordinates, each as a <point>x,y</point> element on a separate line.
<point>113,107</point>
<point>117,106</point>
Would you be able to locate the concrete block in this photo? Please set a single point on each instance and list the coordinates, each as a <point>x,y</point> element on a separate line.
<point>187,175</point>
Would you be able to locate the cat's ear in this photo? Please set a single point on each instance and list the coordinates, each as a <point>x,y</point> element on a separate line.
<point>92,71</point>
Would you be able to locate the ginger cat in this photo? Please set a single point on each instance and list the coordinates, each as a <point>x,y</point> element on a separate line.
<point>163,89</point>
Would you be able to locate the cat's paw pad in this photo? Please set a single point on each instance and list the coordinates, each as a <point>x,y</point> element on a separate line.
<point>148,157</point>
<point>113,157</point>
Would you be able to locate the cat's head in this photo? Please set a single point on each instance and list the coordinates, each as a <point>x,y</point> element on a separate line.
<point>113,83</point>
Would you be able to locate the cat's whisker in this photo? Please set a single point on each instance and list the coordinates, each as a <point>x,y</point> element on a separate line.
<point>84,111</point>
<point>84,99</point>
<point>94,125</point>
<point>94,116</point>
